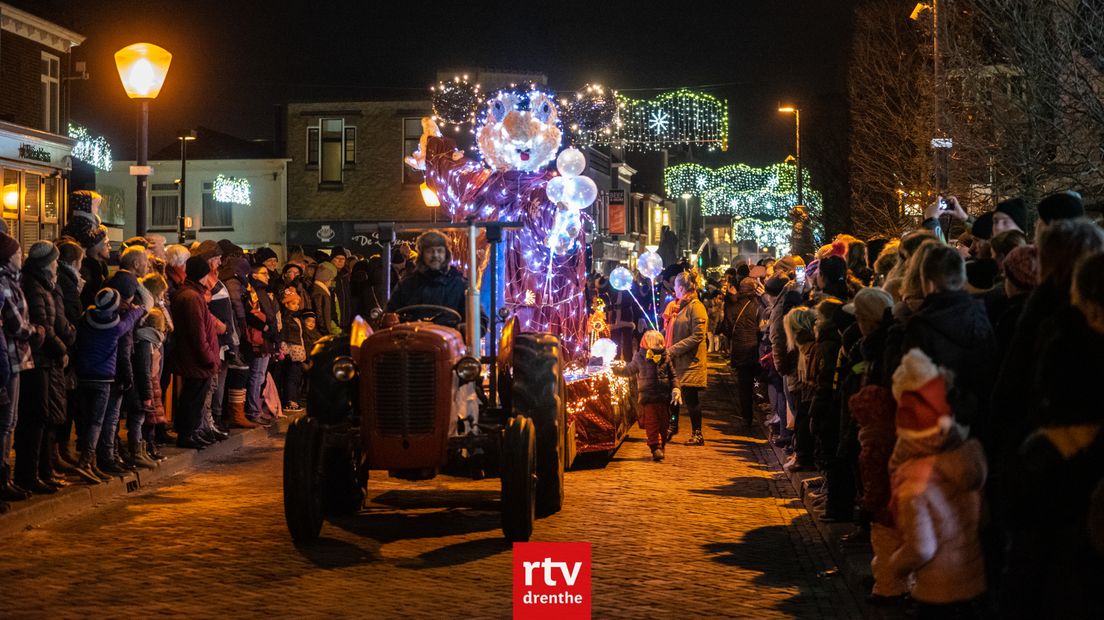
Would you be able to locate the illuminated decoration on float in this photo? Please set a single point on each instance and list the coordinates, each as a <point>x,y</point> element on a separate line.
<point>605,349</point>
<point>591,116</point>
<point>518,132</point>
<point>92,150</point>
<point>455,102</point>
<point>232,190</point>
<point>675,118</point>
<point>758,199</point>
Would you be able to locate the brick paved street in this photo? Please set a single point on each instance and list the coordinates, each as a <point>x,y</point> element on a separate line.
<point>715,531</point>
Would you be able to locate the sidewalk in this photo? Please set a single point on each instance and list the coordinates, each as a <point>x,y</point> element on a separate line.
<point>78,496</point>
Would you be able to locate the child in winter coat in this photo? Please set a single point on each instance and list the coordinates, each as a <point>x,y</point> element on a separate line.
<point>149,341</point>
<point>291,368</point>
<point>656,386</point>
<point>799,324</point>
<point>311,334</point>
<point>937,477</point>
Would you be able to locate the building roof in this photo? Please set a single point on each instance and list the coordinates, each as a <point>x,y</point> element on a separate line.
<point>211,144</point>
<point>37,29</point>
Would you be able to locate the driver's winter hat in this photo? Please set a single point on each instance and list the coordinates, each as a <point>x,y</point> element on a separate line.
<point>431,239</point>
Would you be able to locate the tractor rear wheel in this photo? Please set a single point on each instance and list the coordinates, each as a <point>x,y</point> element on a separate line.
<point>303,479</point>
<point>537,393</point>
<point>518,479</point>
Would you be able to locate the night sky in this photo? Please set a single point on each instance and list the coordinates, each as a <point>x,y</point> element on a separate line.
<point>232,61</point>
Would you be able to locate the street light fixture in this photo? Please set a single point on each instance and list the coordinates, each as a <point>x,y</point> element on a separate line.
<point>789,109</point>
<point>181,221</point>
<point>429,197</point>
<point>142,69</point>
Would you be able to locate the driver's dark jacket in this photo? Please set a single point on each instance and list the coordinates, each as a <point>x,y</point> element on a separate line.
<point>429,286</point>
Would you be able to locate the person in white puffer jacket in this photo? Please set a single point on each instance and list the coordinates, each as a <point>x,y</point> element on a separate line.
<point>937,475</point>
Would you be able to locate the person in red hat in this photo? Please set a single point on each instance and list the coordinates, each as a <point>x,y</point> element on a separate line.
<point>937,475</point>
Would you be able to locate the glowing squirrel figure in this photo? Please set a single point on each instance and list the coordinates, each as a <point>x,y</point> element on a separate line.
<point>518,135</point>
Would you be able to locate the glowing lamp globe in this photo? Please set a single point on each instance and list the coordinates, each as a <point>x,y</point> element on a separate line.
<point>621,279</point>
<point>142,69</point>
<point>605,349</point>
<point>649,264</point>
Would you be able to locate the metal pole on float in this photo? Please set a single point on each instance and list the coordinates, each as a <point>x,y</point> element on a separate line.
<point>472,320</point>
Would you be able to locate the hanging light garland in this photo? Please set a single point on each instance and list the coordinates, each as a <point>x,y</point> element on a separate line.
<point>758,199</point>
<point>91,149</point>
<point>232,189</point>
<point>672,119</point>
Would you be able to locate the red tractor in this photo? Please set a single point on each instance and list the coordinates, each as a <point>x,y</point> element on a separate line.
<point>415,398</point>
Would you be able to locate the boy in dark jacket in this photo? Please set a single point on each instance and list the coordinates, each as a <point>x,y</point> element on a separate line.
<point>104,324</point>
<point>655,382</point>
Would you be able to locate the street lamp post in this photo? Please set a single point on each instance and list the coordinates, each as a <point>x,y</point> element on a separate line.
<point>429,197</point>
<point>185,137</point>
<point>687,220</point>
<point>797,157</point>
<point>142,69</point>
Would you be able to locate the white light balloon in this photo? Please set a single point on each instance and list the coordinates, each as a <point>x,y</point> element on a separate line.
<point>604,348</point>
<point>580,192</point>
<point>621,279</point>
<point>571,162</point>
<point>649,264</point>
<point>555,189</point>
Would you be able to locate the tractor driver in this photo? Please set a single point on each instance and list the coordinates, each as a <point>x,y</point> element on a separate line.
<point>434,280</point>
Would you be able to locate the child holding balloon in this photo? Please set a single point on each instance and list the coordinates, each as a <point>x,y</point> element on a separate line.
<point>655,383</point>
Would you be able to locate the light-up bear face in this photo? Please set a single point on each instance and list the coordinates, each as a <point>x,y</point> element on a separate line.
<point>519,130</point>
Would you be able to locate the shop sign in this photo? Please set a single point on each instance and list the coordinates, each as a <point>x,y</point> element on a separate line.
<point>30,151</point>
<point>618,223</point>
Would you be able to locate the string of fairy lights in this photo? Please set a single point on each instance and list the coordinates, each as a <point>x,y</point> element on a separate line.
<point>758,199</point>
<point>91,149</point>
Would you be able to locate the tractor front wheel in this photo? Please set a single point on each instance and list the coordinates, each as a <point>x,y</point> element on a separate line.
<point>518,479</point>
<point>303,479</point>
<point>538,393</point>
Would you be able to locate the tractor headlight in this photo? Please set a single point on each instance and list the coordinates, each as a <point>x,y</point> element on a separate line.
<point>468,369</point>
<point>344,368</point>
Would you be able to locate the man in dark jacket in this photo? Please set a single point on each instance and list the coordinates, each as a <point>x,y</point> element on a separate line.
<point>69,284</point>
<point>195,356</point>
<point>434,282</point>
<point>342,296</point>
<point>952,328</point>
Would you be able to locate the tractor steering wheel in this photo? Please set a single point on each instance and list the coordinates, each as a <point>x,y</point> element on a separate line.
<point>441,315</point>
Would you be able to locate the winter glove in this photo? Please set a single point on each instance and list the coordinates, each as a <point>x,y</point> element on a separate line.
<point>676,396</point>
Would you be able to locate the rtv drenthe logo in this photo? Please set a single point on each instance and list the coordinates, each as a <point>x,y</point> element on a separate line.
<point>551,580</point>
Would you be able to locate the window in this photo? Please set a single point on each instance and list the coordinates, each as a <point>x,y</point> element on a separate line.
<point>216,215</point>
<point>51,79</point>
<point>164,206</point>
<point>412,131</point>
<point>312,146</point>
<point>331,149</point>
<point>32,208</point>
<point>350,146</point>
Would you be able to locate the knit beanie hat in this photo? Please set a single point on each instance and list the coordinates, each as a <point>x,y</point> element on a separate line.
<point>921,393</point>
<point>774,286</point>
<point>8,247</point>
<point>263,254</point>
<point>102,313</point>
<point>833,270</point>
<point>69,251</point>
<point>325,273</point>
<point>229,248</point>
<point>42,253</point>
<point>982,273</point>
<point>125,282</point>
<point>196,268</point>
<point>983,226</point>
<point>1016,209</point>
<point>869,304</point>
<point>1061,206</point>
<point>1021,266</point>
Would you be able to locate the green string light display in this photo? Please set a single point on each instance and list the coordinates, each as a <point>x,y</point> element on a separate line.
<point>758,199</point>
<point>674,118</point>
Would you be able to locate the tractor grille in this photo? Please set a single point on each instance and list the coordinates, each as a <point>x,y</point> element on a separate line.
<point>406,384</point>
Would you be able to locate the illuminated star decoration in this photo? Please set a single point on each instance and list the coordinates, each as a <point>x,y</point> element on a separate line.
<point>658,121</point>
<point>232,190</point>
<point>758,199</point>
<point>93,150</point>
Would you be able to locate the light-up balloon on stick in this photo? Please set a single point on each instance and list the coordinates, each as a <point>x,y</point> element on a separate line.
<point>580,192</point>
<point>571,162</point>
<point>650,265</point>
<point>555,189</point>
<point>621,279</point>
